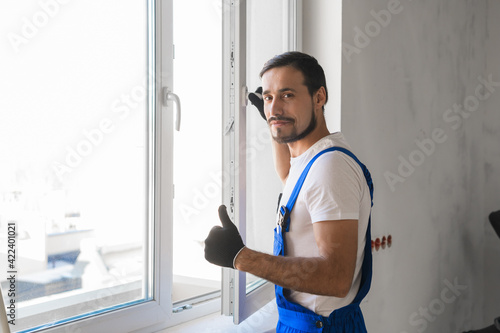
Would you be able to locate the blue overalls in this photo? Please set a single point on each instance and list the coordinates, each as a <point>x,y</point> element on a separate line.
<point>294,318</point>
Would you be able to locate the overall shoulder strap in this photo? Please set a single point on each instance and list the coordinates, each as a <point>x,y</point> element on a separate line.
<point>285,211</point>
<point>366,272</point>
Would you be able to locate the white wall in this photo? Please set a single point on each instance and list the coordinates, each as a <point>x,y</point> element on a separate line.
<point>398,82</point>
<point>321,37</point>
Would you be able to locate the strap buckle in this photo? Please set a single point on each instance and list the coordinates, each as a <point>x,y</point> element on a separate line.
<point>284,218</point>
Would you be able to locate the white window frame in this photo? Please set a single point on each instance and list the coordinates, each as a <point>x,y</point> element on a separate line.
<point>157,313</point>
<point>238,299</point>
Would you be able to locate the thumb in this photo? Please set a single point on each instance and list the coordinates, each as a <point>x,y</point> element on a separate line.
<point>224,218</point>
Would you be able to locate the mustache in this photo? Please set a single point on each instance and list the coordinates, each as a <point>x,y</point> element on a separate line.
<point>279,118</point>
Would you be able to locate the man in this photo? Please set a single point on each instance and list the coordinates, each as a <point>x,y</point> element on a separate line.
<point>322,255</point>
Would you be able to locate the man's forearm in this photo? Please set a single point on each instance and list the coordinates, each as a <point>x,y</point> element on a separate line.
<point>310,275</point>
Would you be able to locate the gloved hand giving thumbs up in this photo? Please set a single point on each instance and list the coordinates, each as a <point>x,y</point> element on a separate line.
<point>224,243</point>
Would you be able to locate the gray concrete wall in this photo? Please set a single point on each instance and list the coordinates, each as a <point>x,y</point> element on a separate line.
<point>414,106</point>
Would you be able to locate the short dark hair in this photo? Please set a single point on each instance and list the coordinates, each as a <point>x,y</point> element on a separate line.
<point>314,76</point>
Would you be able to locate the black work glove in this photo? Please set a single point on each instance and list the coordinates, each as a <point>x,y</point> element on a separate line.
<point>495,221</point>
<point>258,101</point>
<point>223,243</point>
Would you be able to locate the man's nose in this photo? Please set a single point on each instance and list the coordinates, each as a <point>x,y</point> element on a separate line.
<point>275,108</point>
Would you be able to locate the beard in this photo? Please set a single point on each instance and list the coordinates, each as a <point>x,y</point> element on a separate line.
<point>294,136</point>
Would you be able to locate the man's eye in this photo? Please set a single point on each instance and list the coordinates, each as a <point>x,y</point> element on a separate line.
<point>287,95</point>
<point>267,98</point>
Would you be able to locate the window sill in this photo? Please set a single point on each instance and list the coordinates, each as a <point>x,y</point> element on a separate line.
<point>262,321</point>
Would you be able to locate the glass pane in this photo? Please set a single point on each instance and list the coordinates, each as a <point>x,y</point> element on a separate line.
<point>265,39</point>
<point>197,148</point>
<point>74,169</point>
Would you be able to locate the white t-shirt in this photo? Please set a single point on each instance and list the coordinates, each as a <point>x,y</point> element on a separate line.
<point>334,189</point>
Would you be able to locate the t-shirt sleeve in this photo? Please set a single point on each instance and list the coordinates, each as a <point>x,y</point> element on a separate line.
<point>333,188</point>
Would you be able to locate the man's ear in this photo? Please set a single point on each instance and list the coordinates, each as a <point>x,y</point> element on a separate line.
<point>320,97</point>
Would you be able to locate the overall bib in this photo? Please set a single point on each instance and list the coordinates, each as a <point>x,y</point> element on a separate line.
<point>294,318</point>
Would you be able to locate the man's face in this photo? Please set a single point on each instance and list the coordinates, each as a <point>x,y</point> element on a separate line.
<point>288,106</point>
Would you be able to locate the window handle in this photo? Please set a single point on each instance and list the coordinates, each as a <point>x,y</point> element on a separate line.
<point>170,96</point>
